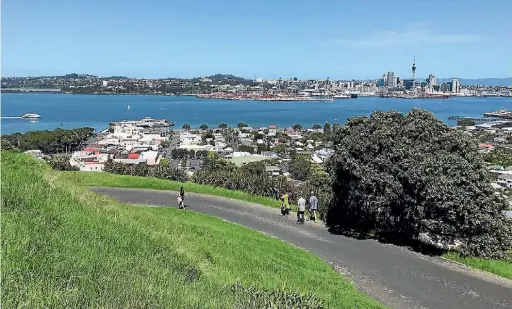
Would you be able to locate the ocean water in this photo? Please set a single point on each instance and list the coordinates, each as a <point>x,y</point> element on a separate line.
<point>96,111</point>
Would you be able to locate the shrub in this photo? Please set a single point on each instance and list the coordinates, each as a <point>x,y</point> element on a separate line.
<point>61,163</point>
<point>401,176</point>
<point>160,171</point>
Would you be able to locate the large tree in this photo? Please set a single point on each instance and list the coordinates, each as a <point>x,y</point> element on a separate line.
<point>300,167</point>
<point>402,176</point>
<point>327,128</point>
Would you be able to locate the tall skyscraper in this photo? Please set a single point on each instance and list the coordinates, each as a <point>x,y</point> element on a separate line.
<point>390,79</point>
<point>455,86</point>
<point>432,80</point>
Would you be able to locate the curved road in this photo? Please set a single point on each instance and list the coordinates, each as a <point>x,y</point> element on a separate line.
<point>393,275</point>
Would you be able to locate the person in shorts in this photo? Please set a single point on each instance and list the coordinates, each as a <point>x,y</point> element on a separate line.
<point>313,205</point>
<point>301,208</point>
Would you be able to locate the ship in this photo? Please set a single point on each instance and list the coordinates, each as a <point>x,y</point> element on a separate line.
<point>501,113</point>
<point>341,96</point>
<point>31,115</point>
<point>353,95</point>
<point>437,95</point>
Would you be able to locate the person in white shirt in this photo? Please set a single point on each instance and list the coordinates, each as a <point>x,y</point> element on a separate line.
<point>301,208</point>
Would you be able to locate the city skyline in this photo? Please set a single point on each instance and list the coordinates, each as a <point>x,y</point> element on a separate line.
<point>158,39</point>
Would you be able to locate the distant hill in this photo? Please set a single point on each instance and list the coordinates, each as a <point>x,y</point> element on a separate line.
<point>507,81</point>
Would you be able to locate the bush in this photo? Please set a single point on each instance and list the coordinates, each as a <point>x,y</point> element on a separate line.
<point>61,163</point>
<point>402,176</point>
<point>161,171</point>
<point>250,178</point>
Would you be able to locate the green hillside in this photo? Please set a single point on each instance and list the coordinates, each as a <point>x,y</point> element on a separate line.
<point>64,246</point>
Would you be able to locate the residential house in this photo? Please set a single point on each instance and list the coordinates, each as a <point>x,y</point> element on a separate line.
<point>273,171</point>
<point>36,153</point>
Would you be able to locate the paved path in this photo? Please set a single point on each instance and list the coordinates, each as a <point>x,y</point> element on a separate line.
<point>394,275</point>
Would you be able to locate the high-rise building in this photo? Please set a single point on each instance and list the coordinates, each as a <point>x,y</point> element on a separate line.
<point>384,79</point>
<point>390,79</point>
<point>444,87</point>
<point>432,80</point>
<point>455,86</point>
<point>396,81</point>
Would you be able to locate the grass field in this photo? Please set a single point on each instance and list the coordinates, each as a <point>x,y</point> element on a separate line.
<point>123,181</point>
<point>500,268</point>
<point>64,246</point>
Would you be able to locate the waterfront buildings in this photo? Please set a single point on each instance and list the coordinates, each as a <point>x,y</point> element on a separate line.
<point>431,80</point>
<point>390,80</point>
<point>455,86</point>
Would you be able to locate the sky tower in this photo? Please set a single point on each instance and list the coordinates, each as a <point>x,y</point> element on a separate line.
<point>414,71</point>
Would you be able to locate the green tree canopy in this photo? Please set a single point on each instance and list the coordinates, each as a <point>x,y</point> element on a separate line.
<point>223,126</point>
<point>300,167</point>
<point>242,125</point>
<point>186,126</point>
<point>246,148</point>
<point>405,175</point>
<point>316,126</point>
<point>297,127</point>
<point>203,127</point>
<point>327,128</point>
<point>465,122</point>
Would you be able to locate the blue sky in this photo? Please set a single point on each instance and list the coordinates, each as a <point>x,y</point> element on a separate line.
<point>280,38</point>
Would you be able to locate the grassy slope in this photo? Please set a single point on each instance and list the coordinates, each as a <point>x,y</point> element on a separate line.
<point>500,268</point>
<point>122,181</point>
<point>65,246</point>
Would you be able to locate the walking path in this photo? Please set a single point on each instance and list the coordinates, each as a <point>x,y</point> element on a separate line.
<point>393,275</point>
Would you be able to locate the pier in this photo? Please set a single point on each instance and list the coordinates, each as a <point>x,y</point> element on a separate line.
<point>477,119</point>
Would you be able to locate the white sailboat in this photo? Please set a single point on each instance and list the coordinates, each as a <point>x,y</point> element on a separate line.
<point>128,107</point>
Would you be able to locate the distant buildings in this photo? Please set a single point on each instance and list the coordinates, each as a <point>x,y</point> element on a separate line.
<point>431,80</point>
<point>455,86</point>
<point>390,79</point>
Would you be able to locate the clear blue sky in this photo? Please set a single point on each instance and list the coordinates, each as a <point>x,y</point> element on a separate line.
<point>266,38</point>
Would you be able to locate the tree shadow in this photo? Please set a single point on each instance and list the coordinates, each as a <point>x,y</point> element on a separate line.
<point>362,234</point>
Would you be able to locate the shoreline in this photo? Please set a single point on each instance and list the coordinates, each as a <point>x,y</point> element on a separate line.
<point>200,96</point>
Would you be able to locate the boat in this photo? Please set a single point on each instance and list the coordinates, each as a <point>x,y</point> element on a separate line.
<point>31,115</point>
<point>342,96</point>
<point>435,95</point>
<point>501,113</point>
<point>353,96</point>
<point>128,107</point>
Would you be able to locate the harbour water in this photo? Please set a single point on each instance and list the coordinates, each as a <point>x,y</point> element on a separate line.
<point>96,111</point>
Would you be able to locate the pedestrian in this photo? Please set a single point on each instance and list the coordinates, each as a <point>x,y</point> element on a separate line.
<point>285,204</point>
<point>181,198</point>
<point>313,205</point>
<point>301,208</point>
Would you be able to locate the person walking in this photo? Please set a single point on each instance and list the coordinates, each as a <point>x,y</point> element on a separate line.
<point>285,204</point>
<point>301,208</point>
<point>313,205</point>
<point>181,198</point>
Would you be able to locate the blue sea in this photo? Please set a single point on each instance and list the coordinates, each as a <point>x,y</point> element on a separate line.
<point>96,111</point>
